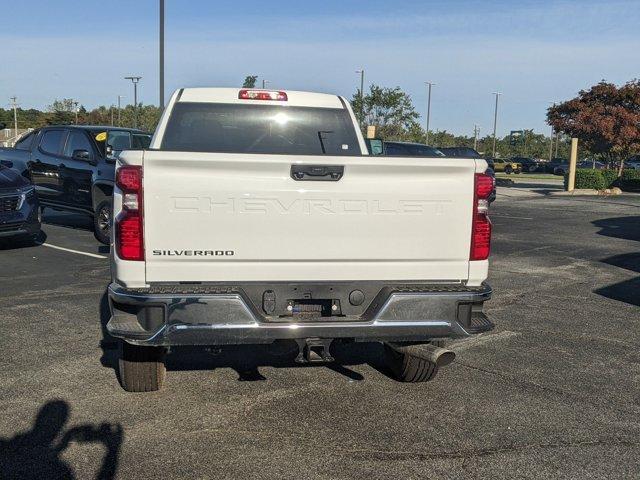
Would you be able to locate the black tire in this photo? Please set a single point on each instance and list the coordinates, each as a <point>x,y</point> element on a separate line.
<point>141,369</point>
<point>508,169</point>
<point>103,221</point>
<point>409,368</point>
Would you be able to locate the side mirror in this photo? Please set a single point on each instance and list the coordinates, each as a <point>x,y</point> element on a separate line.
<point>375,146</point>
<point>81,155</point>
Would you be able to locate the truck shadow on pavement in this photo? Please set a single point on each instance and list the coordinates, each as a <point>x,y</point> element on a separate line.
<point>246,360</point>
<point>37,453</point>
<point>626,228</point>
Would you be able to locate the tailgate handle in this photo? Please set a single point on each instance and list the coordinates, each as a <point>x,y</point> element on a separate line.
<point>326,173</point>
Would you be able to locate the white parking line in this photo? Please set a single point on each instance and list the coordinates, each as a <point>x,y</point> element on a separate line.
<point>94,255</point>
<point>509,216</point>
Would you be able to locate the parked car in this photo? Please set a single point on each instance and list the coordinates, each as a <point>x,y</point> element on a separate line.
<point>506,166</point>
<point>401,149</point>
<point>259,215</point>
<point>463,152</point>
<point>633,162</point>
<point>527,164</point>
<point>550,166</point>
<point>563,168</point>
<point>468,152</point>
<point>19,209</point>
<point>72,167</point>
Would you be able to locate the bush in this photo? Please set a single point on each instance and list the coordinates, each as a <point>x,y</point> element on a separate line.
<point>587,178</point>
<point>610,178</point>
<point>601,179</point>
<point>630,180</point>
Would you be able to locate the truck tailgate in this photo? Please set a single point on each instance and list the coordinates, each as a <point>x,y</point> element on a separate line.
<point>217,217</point>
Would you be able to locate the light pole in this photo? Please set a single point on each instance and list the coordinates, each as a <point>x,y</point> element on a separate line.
<point>264,83</point>
<point>495,123</point>
<point>476,131</point>
<point>119,98</point>
<point>361,72</point>
<point>161,54</point>
<point>135,81</point>
<point>429,84</point>
<point>551,144</point>
<point>14,103</point>
<point>75,108</point>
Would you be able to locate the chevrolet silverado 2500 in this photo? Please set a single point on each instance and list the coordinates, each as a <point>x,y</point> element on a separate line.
<point>258,216</point>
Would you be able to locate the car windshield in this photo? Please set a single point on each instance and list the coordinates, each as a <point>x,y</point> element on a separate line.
<point>264,129</point>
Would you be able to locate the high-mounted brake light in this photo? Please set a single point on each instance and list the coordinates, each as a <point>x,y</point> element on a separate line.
<point>481,225</point>
<point>129,241</point>
<point>245,94</point>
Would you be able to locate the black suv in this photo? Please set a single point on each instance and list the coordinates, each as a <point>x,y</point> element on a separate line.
<point>72,167</point>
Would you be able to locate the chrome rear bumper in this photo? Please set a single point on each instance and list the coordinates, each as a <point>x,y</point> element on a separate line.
<point>146,318</point>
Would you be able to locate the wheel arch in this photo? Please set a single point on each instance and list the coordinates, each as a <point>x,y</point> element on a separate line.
<point>101,191</point>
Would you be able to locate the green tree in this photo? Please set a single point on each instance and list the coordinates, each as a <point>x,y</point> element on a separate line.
<point>61,112</point>
<point>250,81</point>
<point>391,111</point>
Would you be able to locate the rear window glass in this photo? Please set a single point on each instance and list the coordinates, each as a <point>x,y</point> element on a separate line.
<point>265,129</point>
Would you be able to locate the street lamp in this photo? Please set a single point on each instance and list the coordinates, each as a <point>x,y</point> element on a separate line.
<point>430,84</point>
<point>495,122</point>
<point>161,54</point>
<point>476,131</point>
<point>361,72</point>
<point>119,98</point>
<point>135,81</point>
<point>264,83</point>
<point>75,109</point>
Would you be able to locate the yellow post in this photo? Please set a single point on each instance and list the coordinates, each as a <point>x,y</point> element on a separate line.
<point>371,131</point>
<point>571,184</point>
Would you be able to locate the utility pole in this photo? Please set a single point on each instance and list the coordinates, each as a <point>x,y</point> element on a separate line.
<point>161,54</point>
<point>557,142</point>
<point>495,123</point>
<point>14,104</point>
<point>119,98</point>
<point>476,130</point>
<point>551,144</point>
<point>430,84</point>
<point>135,81</point>
<point>361,72</point>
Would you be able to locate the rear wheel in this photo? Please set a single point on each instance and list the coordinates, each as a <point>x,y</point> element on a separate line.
<point>410,368</point>
<point>141,368</point>
<point>508,169</point>
<point>103,221</point>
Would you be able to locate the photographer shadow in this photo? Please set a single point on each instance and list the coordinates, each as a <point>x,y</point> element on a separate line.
<point>37,453</point>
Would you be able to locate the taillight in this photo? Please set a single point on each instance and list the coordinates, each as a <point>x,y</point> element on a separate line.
<point>245,94</point>
<point>129,240</point>
<point>481,225</point>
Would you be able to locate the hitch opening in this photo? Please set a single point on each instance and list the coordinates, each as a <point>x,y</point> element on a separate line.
<point>314,350</point>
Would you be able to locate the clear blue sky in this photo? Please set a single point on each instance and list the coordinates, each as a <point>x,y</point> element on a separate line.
<point>535,52</point>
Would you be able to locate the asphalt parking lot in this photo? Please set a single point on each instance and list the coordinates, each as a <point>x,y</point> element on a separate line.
<point>553,392</point>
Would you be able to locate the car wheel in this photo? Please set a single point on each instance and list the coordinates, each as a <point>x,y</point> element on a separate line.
<point>508,170</point>
<point>103,221</point>
<point>141,368</point>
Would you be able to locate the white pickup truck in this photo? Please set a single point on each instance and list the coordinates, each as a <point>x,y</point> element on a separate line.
<point>258,216</point>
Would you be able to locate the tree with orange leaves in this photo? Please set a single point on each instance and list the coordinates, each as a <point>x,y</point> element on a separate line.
<point>605,118</point>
